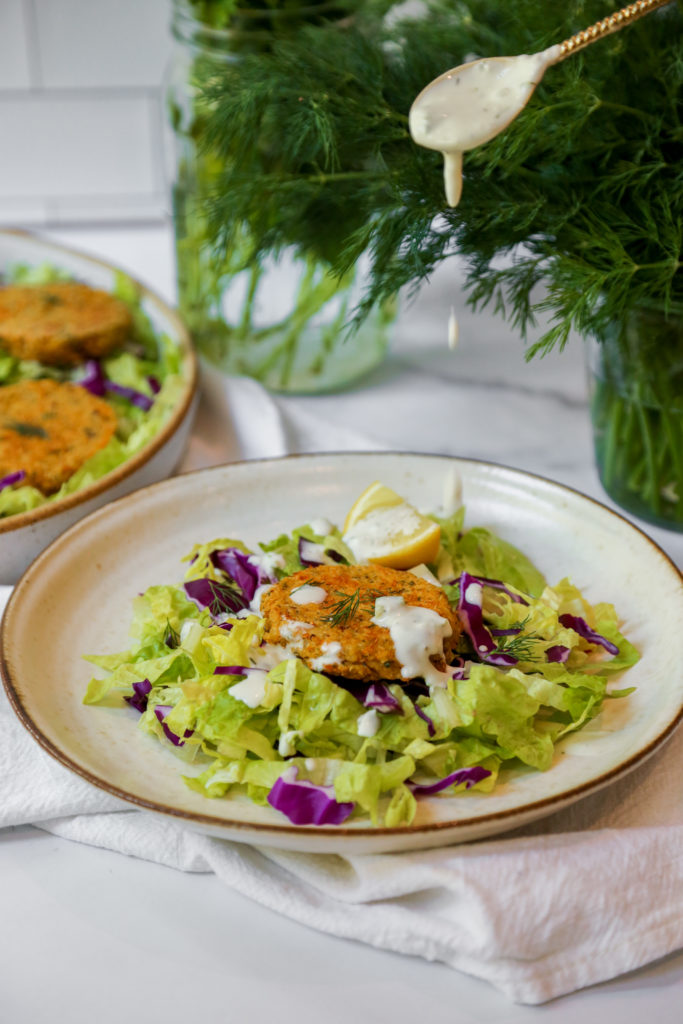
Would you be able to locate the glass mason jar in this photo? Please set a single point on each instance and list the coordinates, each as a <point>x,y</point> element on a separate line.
<point>636,393</point>
<point>282,320</point>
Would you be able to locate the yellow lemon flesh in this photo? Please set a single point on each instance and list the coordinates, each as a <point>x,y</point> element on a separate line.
<point>383,528</point>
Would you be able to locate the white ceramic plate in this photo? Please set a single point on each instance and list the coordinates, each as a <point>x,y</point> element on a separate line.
<point>24,535</point>
<point>80,589</point>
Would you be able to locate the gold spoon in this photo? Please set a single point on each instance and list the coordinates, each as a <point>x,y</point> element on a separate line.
<point>620,19</point>
<point>474,102</point>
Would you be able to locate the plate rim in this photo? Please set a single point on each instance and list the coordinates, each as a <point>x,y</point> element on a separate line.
<point>190,375</point>
<point>537,808</point>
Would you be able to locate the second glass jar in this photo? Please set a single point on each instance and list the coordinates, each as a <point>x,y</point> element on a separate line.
<point>283,321</point>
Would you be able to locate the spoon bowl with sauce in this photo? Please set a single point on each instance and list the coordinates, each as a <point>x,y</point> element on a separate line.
<point>471,104</point>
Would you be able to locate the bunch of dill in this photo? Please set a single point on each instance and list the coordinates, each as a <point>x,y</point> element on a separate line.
<point>271,15</point>
<point>584,190</point>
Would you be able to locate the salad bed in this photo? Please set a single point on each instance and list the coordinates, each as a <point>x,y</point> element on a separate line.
<point>140,380</point>
<point>532,666</point>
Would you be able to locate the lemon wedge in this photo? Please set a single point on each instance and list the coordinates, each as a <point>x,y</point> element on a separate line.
<point>382,527</point>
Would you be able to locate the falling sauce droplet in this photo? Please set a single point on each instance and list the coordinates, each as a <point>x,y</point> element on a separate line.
<point>469,105</point>
<point>453,329</point>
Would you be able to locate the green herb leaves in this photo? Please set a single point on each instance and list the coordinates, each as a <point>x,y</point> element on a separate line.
<point>588,180</point>
<point>345,609</point>
<point>347,606</point>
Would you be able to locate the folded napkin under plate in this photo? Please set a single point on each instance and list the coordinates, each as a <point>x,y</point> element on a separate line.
<point>575,899</point>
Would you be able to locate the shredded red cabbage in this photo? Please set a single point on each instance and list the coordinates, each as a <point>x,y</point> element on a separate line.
<point>469,776</point>
<point>486,581</point>
<point>458,667</point>
<point>247,575</point>
<point>470,609</point>
<point>499,585</point>
<point>161,711</point>
<point>219,598</point>
<point>239,670</point>
<point>141,692</point>
<point>380,697</point>
<point>311,554</point>
<point>371,695</point>
<point>425,718</point>
<point>501,659</point>
<point>93,379</point>
<point>12,478</point>
<point>558,652</point>
<point>171,638</point>
<point>137,398</point>
<point>306,804</point>
<point>581,627</point>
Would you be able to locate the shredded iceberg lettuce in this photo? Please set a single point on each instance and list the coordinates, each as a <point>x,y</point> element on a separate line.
<point>150,369</point>
<point>198,677</point>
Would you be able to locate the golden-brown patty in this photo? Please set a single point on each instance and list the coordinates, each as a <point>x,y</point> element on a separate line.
<point>365,650</point>
<point>61,324</point>
<point>49,429</point>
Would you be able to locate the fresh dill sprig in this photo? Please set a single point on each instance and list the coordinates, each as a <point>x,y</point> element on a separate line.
<point>345,609</point>
<point>306,583</point>
<point>287,15</point>
<point>583,191</point>
<point>224,598</point>
<point>520,645</point>
<point>171,636</point>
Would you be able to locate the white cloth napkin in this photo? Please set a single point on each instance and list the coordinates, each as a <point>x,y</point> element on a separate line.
<point>578,898</point>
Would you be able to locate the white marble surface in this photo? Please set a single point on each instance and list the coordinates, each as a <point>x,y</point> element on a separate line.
<point>115,938</point>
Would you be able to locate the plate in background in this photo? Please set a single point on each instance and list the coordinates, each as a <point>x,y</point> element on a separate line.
<point>24,535</point>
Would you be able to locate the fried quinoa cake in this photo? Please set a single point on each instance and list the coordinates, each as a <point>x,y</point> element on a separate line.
<point>340,627</point>
<point>61,324</point>
<point>49,429</point>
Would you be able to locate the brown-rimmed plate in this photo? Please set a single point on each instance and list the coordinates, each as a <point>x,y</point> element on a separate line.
<point>80,591</point>
<point>22,536</point>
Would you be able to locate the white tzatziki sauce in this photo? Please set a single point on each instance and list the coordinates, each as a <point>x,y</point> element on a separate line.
<point>368,724</point>
<point>472,104</point>
<point>189,627</point>
<point>453,330</point>
<point>255,604</point>
<point>330,655</point>
<point>286,745</point>
<point>252,690</point>
<point>307,594</point>
<point>267,656</point>
<point>417,634</point>
<point>451,499</point>
<point>292,631</point>
<point>268,561</point>
<point>322,770</point>
<point>317,552</point>
<point>474,593</point>
<point>381,528</point>
<point>321,526</point>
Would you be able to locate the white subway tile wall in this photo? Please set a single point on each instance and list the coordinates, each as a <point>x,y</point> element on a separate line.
<point>14,61</point>
<point>81,111</point>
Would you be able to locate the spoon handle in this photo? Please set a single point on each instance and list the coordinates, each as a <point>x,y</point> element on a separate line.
<point>620,19</point>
